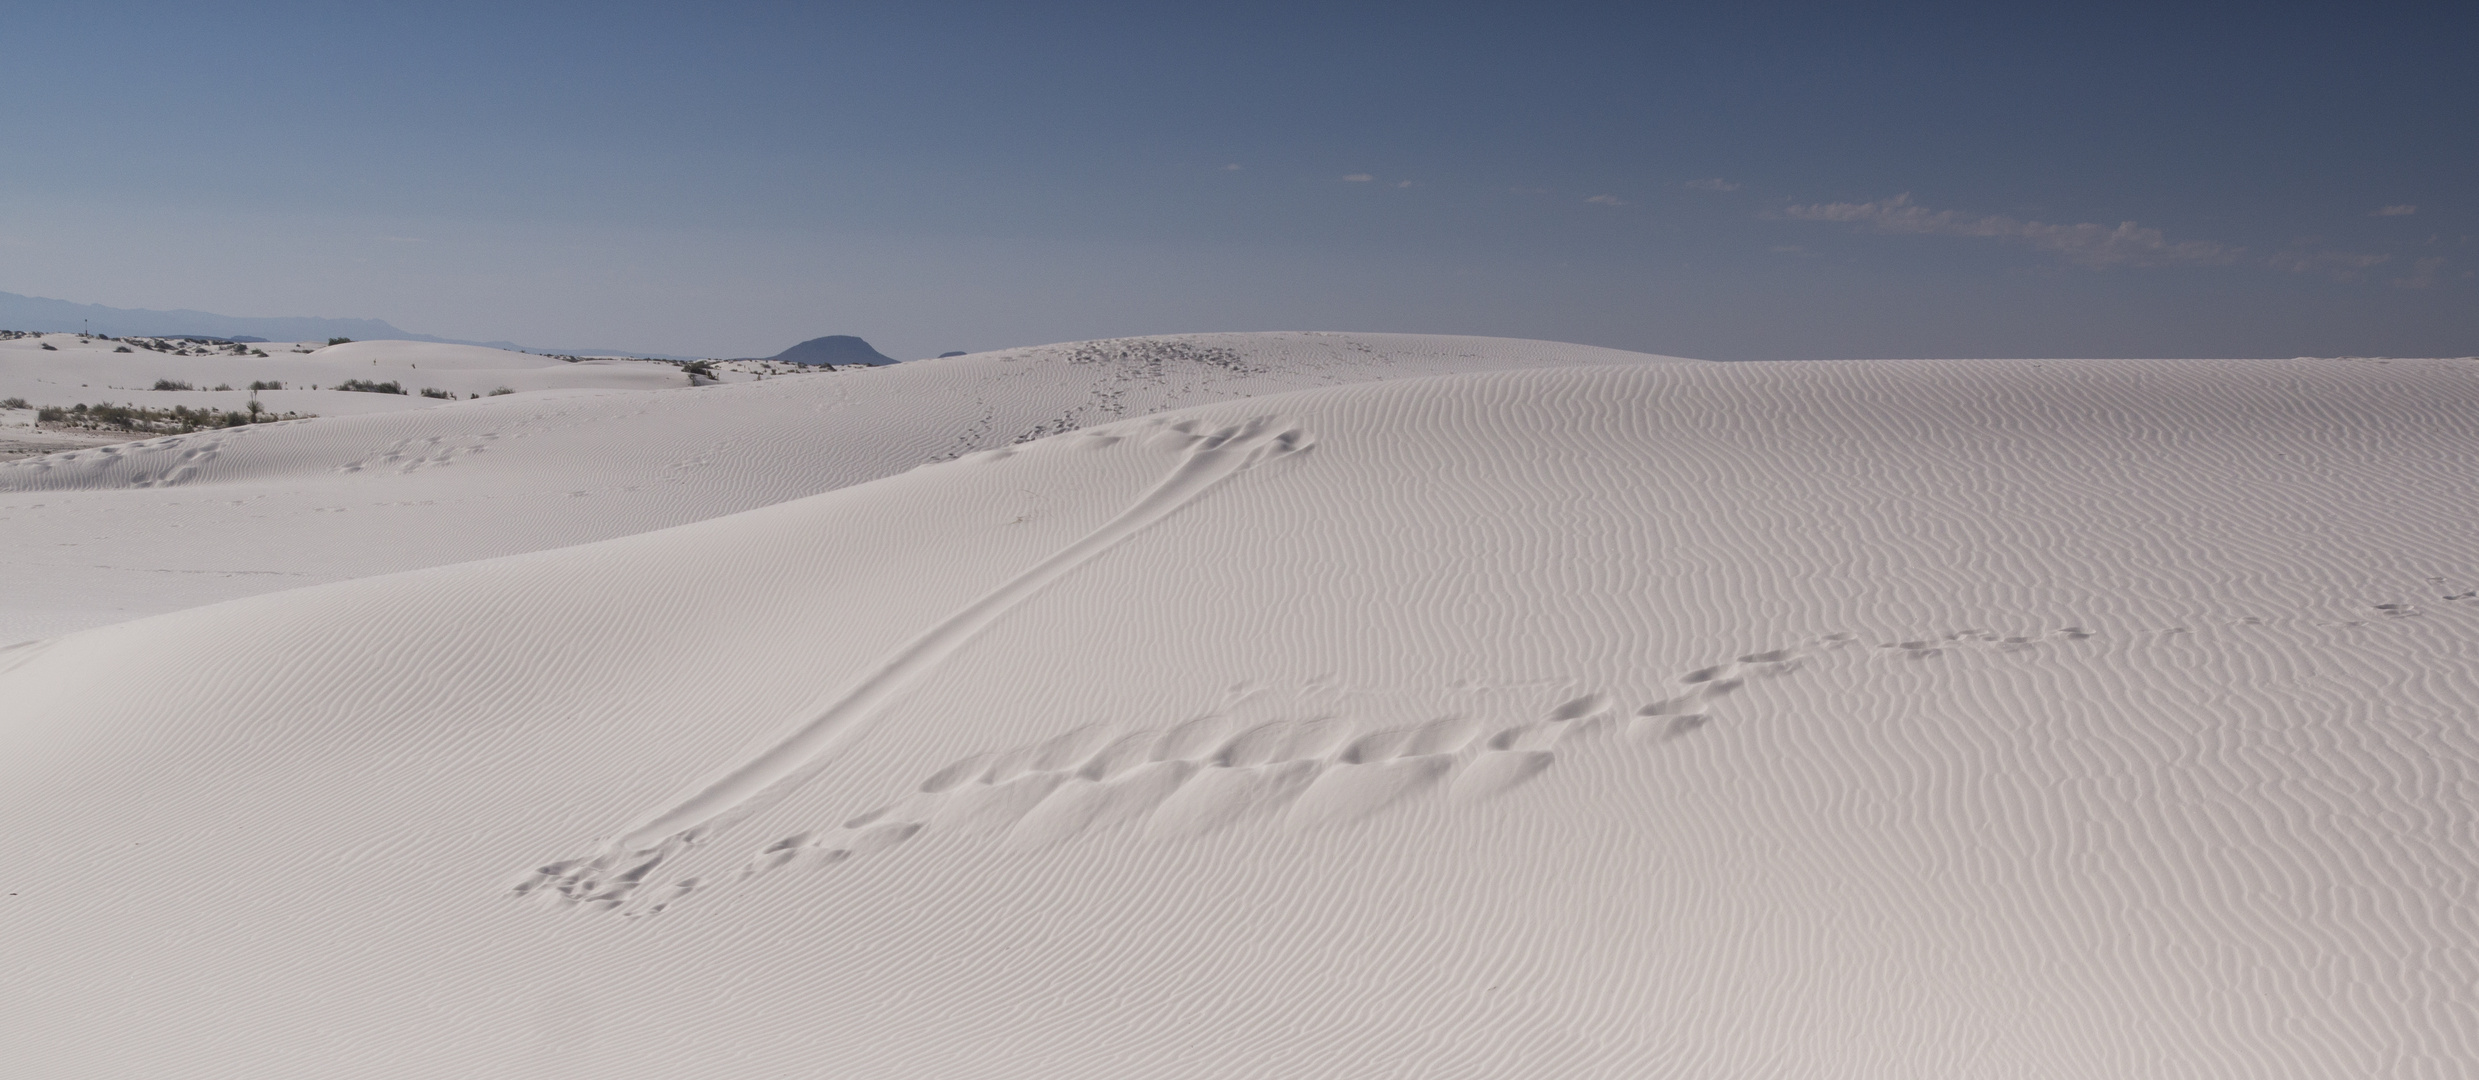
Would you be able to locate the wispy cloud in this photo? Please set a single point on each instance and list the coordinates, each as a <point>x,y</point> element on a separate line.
<point>2340,265</point>
<point>1359,178</point>
<point>2395,210</point>
<point>2423,274</point>
<point>2086,244</point>
<point>1713,184</point>
<point>1606,200</point>
<point>1402,183</point>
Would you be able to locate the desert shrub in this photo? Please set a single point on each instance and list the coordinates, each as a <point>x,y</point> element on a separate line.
<point>13,403</point>
<point>175,420</point>
<point>223,386</point>
<point>433,391</point>
<point>258,386</point>
<point>339,341</point>
<point>120,348</point>
<point>367,387</point>
<point>503,390</point>
<point>47,347</point>
<point>171,384</point>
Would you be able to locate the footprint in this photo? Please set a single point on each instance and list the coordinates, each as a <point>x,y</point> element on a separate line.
<point>1497,772</point>
<point>955,774</point>
<point>1120,755</point>
<point>981,809</point>
<point>1661,727</point>
<point>1084,804</point>
<point>1348,793</point>
<point>1588,705</point>
<point>1193,739</point>
<point>1283,740</point>
<point>1051,756</point>
<point>1445,735</point>
<point>1217,797</point>
<point>1538,736</point>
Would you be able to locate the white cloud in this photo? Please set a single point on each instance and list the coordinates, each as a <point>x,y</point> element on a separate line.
<point>1606,200</point>
<point>1359,178</point>
<point>2123,244</point>
<point>1402,183</point>
<point>2395,210</point>
<point>1713,184</point>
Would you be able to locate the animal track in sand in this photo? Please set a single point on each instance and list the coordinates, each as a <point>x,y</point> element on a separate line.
<point>1213,772</point>
<point>414,455</point>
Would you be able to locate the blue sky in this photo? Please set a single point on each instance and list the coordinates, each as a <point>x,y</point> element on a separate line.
<point>1766,181</point>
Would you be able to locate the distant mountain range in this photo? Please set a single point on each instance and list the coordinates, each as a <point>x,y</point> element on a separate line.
<point>63,316</point>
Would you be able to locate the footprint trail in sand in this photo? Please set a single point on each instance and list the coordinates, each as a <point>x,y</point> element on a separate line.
<point>1215,771</point>
<point>623,865</point>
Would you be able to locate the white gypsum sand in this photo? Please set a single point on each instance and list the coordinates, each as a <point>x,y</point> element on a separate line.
<point>174,522</point>
<point>2075,719</point>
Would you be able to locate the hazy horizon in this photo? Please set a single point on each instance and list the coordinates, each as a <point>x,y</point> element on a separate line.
<point>1775,182</point>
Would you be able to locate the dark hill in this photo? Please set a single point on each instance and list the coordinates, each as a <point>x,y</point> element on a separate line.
<point>837,349</point>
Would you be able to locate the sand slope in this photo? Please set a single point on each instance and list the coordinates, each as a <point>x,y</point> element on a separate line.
<point>2104,719</point>
<point>116,533</point>
<point>75,370</point>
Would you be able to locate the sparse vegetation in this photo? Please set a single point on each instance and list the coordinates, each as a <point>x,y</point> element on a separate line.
<point>367,387</point>
<point>339,341</point>
<point>258,386</point>
<point>223,386</point>
<point>172,384</point>
<point>503,390</point>
<point>172,421</point>
<point>120,348</point>
<point>14,403</point>
<point>435,392</point>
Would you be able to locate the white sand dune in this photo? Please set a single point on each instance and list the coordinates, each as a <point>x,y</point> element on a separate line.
<point>74,370</point>
<point>142,528</point>
<point>1867,719</point>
